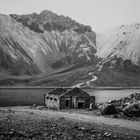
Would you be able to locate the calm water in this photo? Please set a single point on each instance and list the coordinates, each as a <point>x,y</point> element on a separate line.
<point>106,95</point>
<point>29,96</point>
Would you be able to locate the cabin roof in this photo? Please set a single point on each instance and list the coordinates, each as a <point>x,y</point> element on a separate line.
<point>58,91</point>
<point>63,91</point>
<point>76,90</point>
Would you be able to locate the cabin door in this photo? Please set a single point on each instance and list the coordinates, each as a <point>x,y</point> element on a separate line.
<point>68,103</point>
<point>80,105</point>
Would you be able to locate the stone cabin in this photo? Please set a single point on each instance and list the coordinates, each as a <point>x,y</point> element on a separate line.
<point>62,98</point>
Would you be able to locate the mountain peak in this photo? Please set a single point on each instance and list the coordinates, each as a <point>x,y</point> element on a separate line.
<point>49,21</point>
<point>46,12</point>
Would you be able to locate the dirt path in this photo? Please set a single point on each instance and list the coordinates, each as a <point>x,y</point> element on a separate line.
<point>86,118</point>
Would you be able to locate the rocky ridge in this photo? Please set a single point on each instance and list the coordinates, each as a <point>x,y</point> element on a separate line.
<point>49,21</point>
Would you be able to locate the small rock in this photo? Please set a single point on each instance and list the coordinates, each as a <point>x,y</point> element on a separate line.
<point>93,131</point>
<point>99,135</point>
<point>82,128</point>
<point>40,107</point>
<point>107,134</point>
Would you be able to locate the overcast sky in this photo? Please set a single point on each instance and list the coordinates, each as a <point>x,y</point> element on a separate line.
<point>99,14</point>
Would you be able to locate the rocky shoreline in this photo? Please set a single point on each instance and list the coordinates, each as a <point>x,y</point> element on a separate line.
<point>126,108</point>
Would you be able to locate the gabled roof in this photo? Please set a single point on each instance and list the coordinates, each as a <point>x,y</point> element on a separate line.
<point>58,91</point>
<point>76,90</point>
<point>63,91</point>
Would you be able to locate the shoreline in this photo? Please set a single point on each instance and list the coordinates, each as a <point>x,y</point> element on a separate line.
<point>96,88</point>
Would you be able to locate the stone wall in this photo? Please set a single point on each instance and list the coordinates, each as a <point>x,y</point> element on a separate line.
<point>52,101</point>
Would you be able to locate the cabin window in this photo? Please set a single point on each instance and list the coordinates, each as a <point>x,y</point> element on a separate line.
<point>55,99</point>
<point>75,89</point>
<point>47,97</point>
<point>51,98</point>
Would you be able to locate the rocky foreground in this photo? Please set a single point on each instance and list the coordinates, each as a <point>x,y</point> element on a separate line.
<point>38,123</point>
<point>24,123</point>
<point>127,107</point>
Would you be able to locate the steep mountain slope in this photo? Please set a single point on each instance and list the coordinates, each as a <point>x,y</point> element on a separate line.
<point>25,52</point>
<point>119,50</point>
<point>121,42</point>
<point>17,46</point>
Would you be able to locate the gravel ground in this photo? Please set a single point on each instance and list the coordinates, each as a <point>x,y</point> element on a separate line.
<point>23,123</point>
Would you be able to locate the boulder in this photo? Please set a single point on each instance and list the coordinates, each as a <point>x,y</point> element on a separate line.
<point>132,109</point>
<point>128,106</point>
<point>109,109</point>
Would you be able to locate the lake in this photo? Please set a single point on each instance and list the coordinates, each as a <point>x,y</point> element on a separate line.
<point>107,95</point>
<point>29,96</point>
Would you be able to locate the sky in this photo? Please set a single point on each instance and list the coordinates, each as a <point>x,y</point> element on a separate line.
<point>99,14</point>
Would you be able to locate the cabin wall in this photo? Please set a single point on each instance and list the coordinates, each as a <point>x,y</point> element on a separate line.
<point>92,99</point>
<point>74,100</point>
<point>52,101</point>
<point>65,102</point>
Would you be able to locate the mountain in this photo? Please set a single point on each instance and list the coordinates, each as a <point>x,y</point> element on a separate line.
<point>119,49</point>
<point>27,54</point>
<point>50,50</point>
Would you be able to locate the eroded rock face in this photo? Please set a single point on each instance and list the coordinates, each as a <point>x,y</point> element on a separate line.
<point>122,65</point>
<point>132,109</point>
<point>50,21</point>
<point>16,44</point>
<point>26,52</point>
<point>119,51</point>
<point>122,45</point>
